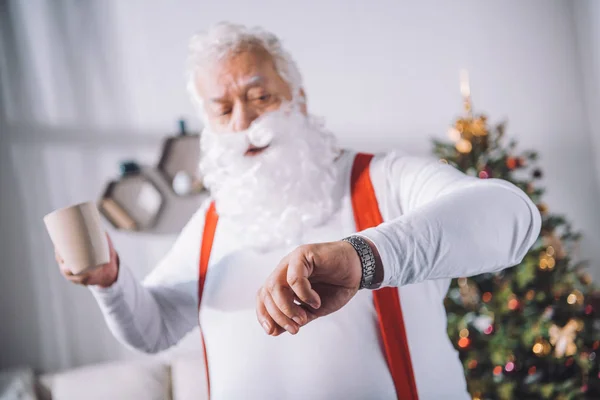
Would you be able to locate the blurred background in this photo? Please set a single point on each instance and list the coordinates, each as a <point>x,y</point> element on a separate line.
<point>86,85</point>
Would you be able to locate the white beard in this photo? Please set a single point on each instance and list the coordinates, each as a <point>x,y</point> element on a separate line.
<point>272,197</point>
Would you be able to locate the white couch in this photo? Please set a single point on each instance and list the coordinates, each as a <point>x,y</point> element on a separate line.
<point>182,378</point>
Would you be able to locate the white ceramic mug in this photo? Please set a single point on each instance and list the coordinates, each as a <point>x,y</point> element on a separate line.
<point>78,236</point>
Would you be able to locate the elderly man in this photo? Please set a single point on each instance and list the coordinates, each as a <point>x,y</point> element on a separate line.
<point>279,182</point>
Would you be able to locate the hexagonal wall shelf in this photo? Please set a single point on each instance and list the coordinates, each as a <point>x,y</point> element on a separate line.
<point>132,202</point>
<point>179,162</point>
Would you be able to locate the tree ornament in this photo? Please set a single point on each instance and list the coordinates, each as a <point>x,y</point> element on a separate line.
<point>463,146</point>
<point>554,246</point>
<point>541,347</point>
<point>482,323</point>
<point>543,208</point>
<point>530,294</point>
<point>563,339</point>
<point>513,303</point>
<point>547,261</point>
<point>454,134</point>
<point>576,297</point>
<point>511,163</point>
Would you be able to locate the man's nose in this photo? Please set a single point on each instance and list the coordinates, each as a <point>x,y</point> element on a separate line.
<point>243,118</point>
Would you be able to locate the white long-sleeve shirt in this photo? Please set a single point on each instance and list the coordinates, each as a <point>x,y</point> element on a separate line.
<point>441,224</point>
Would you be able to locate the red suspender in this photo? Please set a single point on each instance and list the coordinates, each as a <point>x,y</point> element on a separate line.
<point>387,300</point>
<point>210,226</point>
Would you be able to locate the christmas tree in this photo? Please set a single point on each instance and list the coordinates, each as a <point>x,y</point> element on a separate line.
<point>531,331</point>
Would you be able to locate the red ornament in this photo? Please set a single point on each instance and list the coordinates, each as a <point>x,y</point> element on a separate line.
<point>589,309</point>
<point>569,362</point>
<point>509,366</point>
<point>485,173</point>
<point>489,330</point>
<point>512,163</point>
<point>513,304</point>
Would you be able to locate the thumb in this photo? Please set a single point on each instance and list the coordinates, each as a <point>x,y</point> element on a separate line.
<point>298,271</point>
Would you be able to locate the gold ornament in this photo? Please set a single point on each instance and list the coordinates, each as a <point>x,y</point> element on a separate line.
<point>554,246</point>
<point>454,134</point>
<point>463,146</point>
<point>563,339</point>
<point>541,347</point>
<point>547,260</point>
<point>576,297</point>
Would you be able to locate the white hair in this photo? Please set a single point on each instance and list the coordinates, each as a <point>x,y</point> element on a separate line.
<point>223,39</point>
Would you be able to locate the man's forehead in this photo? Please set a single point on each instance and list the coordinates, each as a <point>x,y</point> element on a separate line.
<point>237,71</point>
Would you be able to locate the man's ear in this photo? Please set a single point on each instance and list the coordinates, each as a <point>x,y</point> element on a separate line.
<point>303,101</point>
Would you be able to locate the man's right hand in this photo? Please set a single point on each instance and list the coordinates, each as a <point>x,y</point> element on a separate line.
<point>104,275</point>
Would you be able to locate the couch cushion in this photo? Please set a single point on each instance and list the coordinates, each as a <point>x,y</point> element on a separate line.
<point>115,381</point>
<point>189,377</point>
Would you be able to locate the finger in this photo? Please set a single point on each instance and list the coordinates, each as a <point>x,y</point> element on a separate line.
<point>298,271</point>
<point>79,279</point>
<point>110,244</point>
<point>270,327</point>
<point>65,271</point>
<point>283,296</point>
<point>280,318</point>
<point>58,257</point>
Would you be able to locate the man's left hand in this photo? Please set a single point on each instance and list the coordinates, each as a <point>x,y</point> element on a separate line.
<point>312,281</point>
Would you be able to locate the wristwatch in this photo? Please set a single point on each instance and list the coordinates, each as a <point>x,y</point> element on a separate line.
<point>367,261</point>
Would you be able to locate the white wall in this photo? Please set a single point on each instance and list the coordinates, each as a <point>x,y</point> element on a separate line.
<point>586,15</point>
<point>384,74</point>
